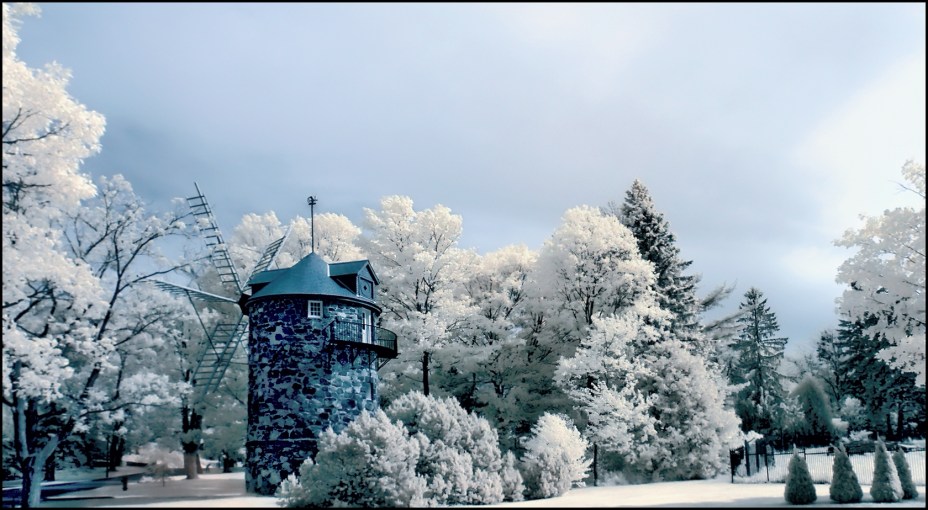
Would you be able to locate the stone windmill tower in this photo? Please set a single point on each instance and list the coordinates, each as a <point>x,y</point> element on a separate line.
<point>313,354</point>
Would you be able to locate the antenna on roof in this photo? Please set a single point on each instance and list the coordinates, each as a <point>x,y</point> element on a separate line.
<point>312,223</point>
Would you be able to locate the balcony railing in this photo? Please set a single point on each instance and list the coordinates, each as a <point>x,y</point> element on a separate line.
<point>381,341</point>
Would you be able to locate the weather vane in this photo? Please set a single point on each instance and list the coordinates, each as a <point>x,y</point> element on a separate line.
<point>312,223</point>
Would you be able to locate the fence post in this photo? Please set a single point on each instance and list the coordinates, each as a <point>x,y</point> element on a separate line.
<point>747,458</point>
<point>767,462</point>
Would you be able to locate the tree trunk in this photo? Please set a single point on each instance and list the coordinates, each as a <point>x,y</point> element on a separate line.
<point>190,466</point>
<point>117,448</point>
<point>595,468</point>
<point>425,373</point>
<point>50,466</point>
<point>32,474</point>
<point>900,427</point>
<point>192,423</point>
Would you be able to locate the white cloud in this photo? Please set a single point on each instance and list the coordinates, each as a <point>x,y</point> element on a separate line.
<point>599,41</point>
<point>854,156</point>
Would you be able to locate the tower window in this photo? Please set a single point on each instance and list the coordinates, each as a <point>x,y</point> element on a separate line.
<point>314,310</point>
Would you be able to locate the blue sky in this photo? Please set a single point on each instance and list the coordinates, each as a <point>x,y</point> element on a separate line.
<point>761,130</point>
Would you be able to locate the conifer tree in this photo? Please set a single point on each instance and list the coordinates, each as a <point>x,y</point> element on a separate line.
<point>844,485</point>
<point>657,244</point>
<point>799,487</point>
<point>884,390</point>
<point>905,475</point>
<point>815,427</point>
<point>886,487</point>
<point>759,352</point>
<point>832,356</point>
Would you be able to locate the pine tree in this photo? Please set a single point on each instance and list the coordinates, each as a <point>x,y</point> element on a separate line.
<point>883,389</point>
<point>799,487</point>
<point>844,485</point>
<point>905,475</point>
<point>815,427</point>
<point>759,353</point>
<point>886,487</point>
<point>657,244</point>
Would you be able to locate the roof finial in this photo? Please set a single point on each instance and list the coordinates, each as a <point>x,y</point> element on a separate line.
<point>312,223</point>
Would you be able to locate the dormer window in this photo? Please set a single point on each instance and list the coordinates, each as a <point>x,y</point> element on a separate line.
<point>365,288</point>
<point>314,310</point>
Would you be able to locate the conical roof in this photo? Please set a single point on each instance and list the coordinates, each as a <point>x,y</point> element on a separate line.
<point>308,277</point>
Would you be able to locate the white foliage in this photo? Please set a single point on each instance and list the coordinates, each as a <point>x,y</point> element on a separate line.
<point>589,266</point>
<point>555,457</point>
<point>461,459</point>
<point>886,277</point>
<point>371,463</point>
<point>421,269</point>
<point>335,235</point>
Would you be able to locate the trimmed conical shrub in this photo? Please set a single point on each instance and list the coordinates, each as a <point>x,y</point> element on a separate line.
<point>886,487</point>
<point>844,485</point>
<point>799,487</point>
<point>905,475</point>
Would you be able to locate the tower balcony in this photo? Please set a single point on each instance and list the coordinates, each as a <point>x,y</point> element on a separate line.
<point>358,335</point>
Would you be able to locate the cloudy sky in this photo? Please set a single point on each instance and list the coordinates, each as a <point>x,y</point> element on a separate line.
<point>761,130</point>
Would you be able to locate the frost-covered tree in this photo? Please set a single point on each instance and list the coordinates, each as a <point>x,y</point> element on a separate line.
<point>602,379</point>
<point>844,486</point>
<point>814,426</point>
<point>657,244</point>
<point>67,308</point>
<point>800,490</point>
<point>421,270</point>
<point>640,394</point>
<point>371,463</point>
<point>759,352</point>
<point>886,486</point>
<point>555,457</point>
<point>335,238</point>
<point>589,267</point>
<point>482,366</point>
<point>909,491</point>
<point>886,278</point>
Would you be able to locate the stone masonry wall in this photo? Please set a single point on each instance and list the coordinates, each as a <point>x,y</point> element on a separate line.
<point>295,389</point>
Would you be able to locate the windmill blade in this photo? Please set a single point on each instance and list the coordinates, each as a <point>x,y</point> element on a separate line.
<point>270,254</point>
<point>216,357</point>
<point>219,252</point>
<point>181,291</point>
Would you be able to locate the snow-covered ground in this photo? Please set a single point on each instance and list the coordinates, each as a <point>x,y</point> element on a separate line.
<point>228,491</point>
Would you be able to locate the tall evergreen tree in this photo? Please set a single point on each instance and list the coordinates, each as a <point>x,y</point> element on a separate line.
<point>832,356</point>
<point>759,353</point>
<point>886,392</point>
<point>657,244</point>
<point>815,427</point>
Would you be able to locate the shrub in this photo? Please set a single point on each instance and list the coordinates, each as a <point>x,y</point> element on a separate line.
<point>370,463</point>
<point>844,485</point>
<point>554,458</point>
<point>905,475</point>
<point>460,457</point>
<point>799,487</point>
<point>513,485</point>
<point>886,487</point>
